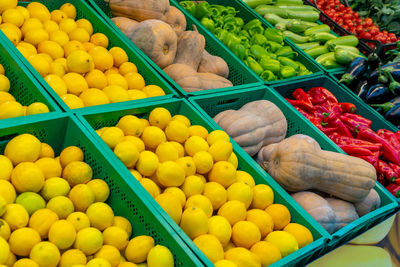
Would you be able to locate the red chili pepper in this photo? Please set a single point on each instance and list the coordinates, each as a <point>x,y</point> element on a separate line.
<point>381,179</point>
<point>384,168</point>
<point>358,118</point>
<point>328,105</point>
<point>398,135</point>
<point>352,125</point>
<point>389,152</point>
<point>329,96</point>
<point>299,94</point>
<point>341,128</point>
<point>317,96</point>
<point>396,169</point>
<point>348,107</point>
<point>390,137</point>
<point>373,160</point>
<point>301,104</point>
<point>321,111</point>
<point>355,151</point>
<point>305,114</point>
<point>344,140</point>
<point>329,131</point>
<point>394,189</point>
<point>334,113</point>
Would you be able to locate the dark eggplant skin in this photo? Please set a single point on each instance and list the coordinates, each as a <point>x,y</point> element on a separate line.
<point>355,71</point>
<point>373,61</point>
<point>393,115</point>
<point>378,94</point>
<point>362,89</point>
<point>395,70</point>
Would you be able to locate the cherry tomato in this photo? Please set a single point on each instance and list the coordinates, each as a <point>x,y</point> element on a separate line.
<point>368,22</point>
<point>355,14</point>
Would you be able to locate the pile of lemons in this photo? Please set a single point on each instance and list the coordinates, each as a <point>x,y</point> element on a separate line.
<point>72,59</point>
<point>52,213</point>
<point>193,176</point>
<point>9,107</point>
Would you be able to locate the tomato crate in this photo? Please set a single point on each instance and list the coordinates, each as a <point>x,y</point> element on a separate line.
<point>23,86</point>
<point>125,199</point>
<point>96,119</point>
<point>239,74</point>
<point>99,25</point>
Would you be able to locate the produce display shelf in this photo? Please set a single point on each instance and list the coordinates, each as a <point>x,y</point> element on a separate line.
<point>96,119</point>
<point>99,25</point>
<point>297,124</point>
<point>23,86</point>
<point>126,199</point>
<point>239,74</point>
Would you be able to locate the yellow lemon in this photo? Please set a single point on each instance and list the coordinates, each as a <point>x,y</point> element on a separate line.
<point>40,64</point>
<point>94,97</point>
<point>31,202</point>
<point>112,70</point>
<point>301,233</point>
<point>138,248</point>
<point>4,250</point>
<point>46,57</point>
<point>5,97</point>
<point>96,79</point>
<point>127,152</point>
<point>67,25</point>
<point>85,24</point>
<point>160,256</point>
<point>159,117</point>
<point>179,148</point>
<point>27,176</point>
<point>116,237</point>
<point>200,201</point>
<point>62,234</point>
<point>51,48</point>
<point>210,246</point>
<point>77,172</point>
<point>4,83</point>
<point>117,79</point>
<point>167,152</point>
<point>245,234</point>
<point>103,60</point>
<point>57,84</point>
<point>178,193</point>
<point>45,254</point>
<point>39,11</point>
<point>225,263</point>
<point>100,215</point>
<point>193,185</point>
<point>79,220</point>
<point>7,5</point>
<point>119,56</point>
<point>46,151</point>
<point>41,220</point>
<point>147,163</point>
<point>280,215</point>
<point>25,263</point>
<point>7,191</point>
<point>30,24</point>
<point>234,211</point>
<point>123,223</point>
<point>10,261</point>
<point>11,109</point>
<point>58,15</point>
<point>177,131</point>
<point>195,144</point>
<point>13,16</point>
<point>61,205</point>
<point>267,252</point>
<point>50,26</point>
<point>263,196</point>
<point>223,172</point>
<point>170,173</point>
<point>136,174</point>
<point>127,67</point>
<point>182,119</point>
<point>153,90</point>
<point>198,130</point>
<point>217,135</point>
<point>220,227</point>
<point>80,62</point>
<point>203,161</point>
<point>6,168</point>
<point>116,93</point>
<point>112,136</point>
<point>244,177</point>
<point>262,219</point>
<point>55,187</point>
<point>72,46</point>
<point>216,193</point>
<point>59,37</point>
<point>88,240</point>
<point>23,240</point>
<point>130,125</point>
<point>72,257</point>
<point>72,101</point>
<point>13,34</point>
<point>153,136</point>
<point>5,230</point>
<point>136,94</point>
<point>135,81</point>
<point>79,34</point>
<point>25,51</point>
<point>241,192</point>
<point>88,46</point>
<point>36,36</point>
<point>170,205</point>
<point>75,82</point>
<point>82,196</point>
<point>187,163</point>
<point>37,108</point>
<point>220,150</point>
<point>69,9</point>
<point>150,186</point>
<point>110,254</point>
<point>100,189</point>
<point>58,69</point>
<point>70,154</point>
<point>99,39</point>
<point>24,11</point>
<point>136,141</point>
<point>127,264</point>
<point>285,242</point>
<point>243,257</point>
<point>145,123</point>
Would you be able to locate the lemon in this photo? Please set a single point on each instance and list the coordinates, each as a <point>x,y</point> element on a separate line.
<point>40,64</point>
<point>136,174</point>
<point>27,176</point>
<point>58,69</point>
<point>70,154</point>
<point>72,101</point>
<point>147,163</point>
<point>30,24</point>
<point>31,202</point>
<point>79,220</point>
<point>39,11</point>
<point>24,11</point>
<point>178,193</point>
<point>10,261</point>
<point>36,35</point>
<point>69,9</point>
<point>112,70</point>
<point>285,242</point>
<point>46,57</point>
<point>200,201</point>
<point>194,222</point>
<point>280,215</point>
<point>123,223</point>
<point>6,168</point>
<point>67,25</point>
<point>170,173</point>
<point>182,119</point>
<point>46,151</point>
<point>82,196</point>
<point>46,254</point>
<point>41,220</point>
<point>220,150</point>
<point>198,130</point>
<point>117,79</point>
<point>37,108</point>
<point>110,254</point>
<point>112,136</point>
<point>301,233</point>
<point>222,172</point>
<point>220,227</point>
<point>153,136</point>
<point>136,141</point>
<point>80,62</point>
<point>72,46</point>
<point>245,234</point>
<point>170,205</point>
<point>127,152</point>
<point>167,152</point>
<point>119,56</point>
<point>4,250</point>
<point>96,79</point>
<point>85,24</point>
<point>138,248</point>
<point>188,164</point>
<point>25,51</point>
<point>210,246</point>
<point>135,81</point>
<point>72,257</point>
<point>193,185</point>
<point>11,109</point>
<point>150,186</point>
<point>195,144</point>
<point>57,84</point>
<point>100,189</point>
<point>216,193</point>
<point>136,94</point>
<point>61,205</point>
<point>145,123</point>
<point>59,37</point>
<point>79,34</point>
<point>62,233</point>
<point>244,177</point>
<point>203,162</point>
<point>130,125</point>
<point>94,97</point>
<point>128,264</point>
<point>263,196</point>
<point>127,67</point>
<point>98,262</point>
<point>13,34</point>
<point>159,117</point>
<point>7,4</point>
<point>116,93</point>
<point>5,97</point>
<point>5,230</point>
<point>77,172</point>
<point>99,39</point>
<point>100,215</point>
<point>13,16</point>
<point>103,60</point>
<point>262,219</point>
<point>50,26</point>
<point>58,15</point>
<point>25,263</point>
<point>4,83</point>
<point>55,187</point>
<point>243,257</point>
<point>153,90</point>
<point>76,84</point>
<point>89,240</point>
<point>23,240</point>
<point>7,191</point>
<point>51,48</point>
<point>160,256</point>
<point>177,131</point>
<point>115,236</point>
<point>267,252</point>
<point>234,211</point>
<point>225,263</point>
<point>241,192</point>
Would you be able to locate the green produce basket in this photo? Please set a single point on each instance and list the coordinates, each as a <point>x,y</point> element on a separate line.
<point>239,74</point>
<point>100,118</point>
<point>389,202</point>
<point>99,25</point>
<point>247,14</point>
<point>24,87</point>
<point>126,199</point>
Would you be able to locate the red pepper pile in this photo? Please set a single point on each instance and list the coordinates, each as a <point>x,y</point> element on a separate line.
<point>351,21</point>
<point>352,133</point>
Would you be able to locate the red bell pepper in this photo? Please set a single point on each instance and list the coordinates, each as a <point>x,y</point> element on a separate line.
<point>323,93</point>
<point>329,131</point>
<point>348,107</point>
<point>395,168</point>
<point>321,112</point>
<point>299,94</point>
<point>384,168</point>
<point>394,189</point>
<point>317,96</point>
<point>398,135</point>
<point>334,113</point>
<point>355,151</point>
<point>344,140</point>
<point>390,137</point>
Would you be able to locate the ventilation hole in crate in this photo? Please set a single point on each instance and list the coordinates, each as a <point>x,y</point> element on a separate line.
<point>40,134</point>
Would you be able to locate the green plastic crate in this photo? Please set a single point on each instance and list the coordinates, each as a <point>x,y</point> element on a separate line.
<point>247,14</point>
<point>24,87</point>
<point>99,25</point>
<point>126,199</point>
<point>239,74</point>
<point>97,119</point>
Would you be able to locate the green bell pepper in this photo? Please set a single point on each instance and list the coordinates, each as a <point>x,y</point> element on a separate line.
<point>270,64</point>
<point>245,33</point>
<point>259,39</point>
<point>287,72</point>
<point>231,39</point>
<point>267,75</point>
<point>202,10</point>
<point>239,50</point>
<point>209,24</point>
<point>258,51</point>
<point>254,66</point>
<point>230,24</point>
<point>286,51</point>
<point>239,21</point>
<point>189,6</point>
<point>253,27</point>
<point>288,62</point>
<point>222,35</point>
<point>274,35</point>
<point>273,46</point>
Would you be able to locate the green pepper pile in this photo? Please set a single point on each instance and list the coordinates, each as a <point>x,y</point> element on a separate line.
<point>261,49</point>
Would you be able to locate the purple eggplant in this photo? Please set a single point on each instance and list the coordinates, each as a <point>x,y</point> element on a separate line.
<point>355,71</point>
<point>378,94</point>
<point>393,115</point>
<point>393,68</point>
<point>385,107</point>
<point>362,89</point>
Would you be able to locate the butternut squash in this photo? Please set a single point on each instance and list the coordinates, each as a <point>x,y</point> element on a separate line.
<point>298,163</point>
<point>345,212</point>
<point>139,10</point>
<point>213,64</point>
<point>370,203</point>
<point>176,20</point>
<point>157,40</point>
<point>190,48</point>
<point>256,124</point>
<point>126,25</point>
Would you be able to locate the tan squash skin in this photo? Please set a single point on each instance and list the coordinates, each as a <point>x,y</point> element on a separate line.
<point>126,25</point>
<point>190,48</point>
<point>139,10</point>
<point>256,124</point>
<point>157,40</point>
<point>298,163</point>
<point>368,204</point>
<point>213,64</point>
<point>176,20</point>
<point>345,212</point>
